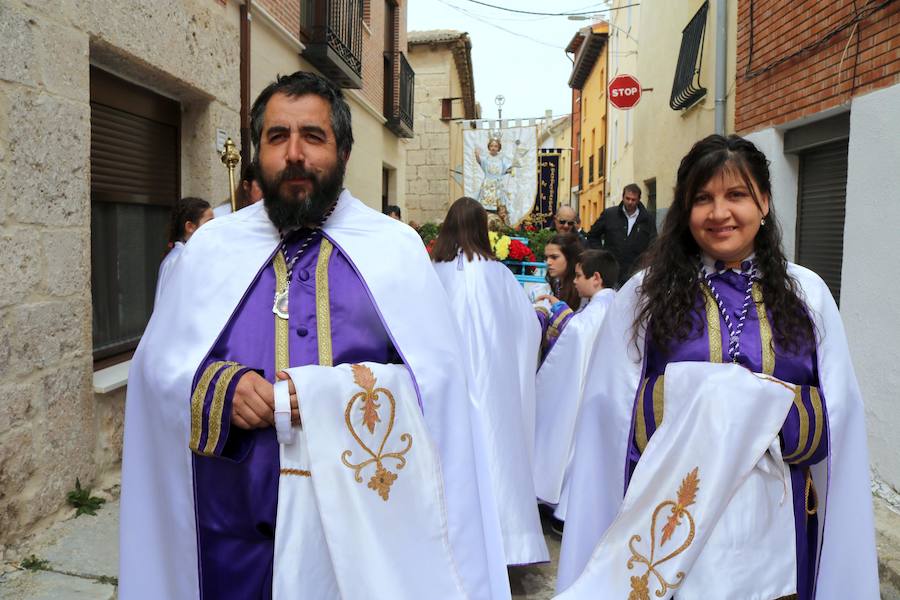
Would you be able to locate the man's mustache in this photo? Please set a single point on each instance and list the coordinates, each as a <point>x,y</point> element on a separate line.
<point>295,172</point>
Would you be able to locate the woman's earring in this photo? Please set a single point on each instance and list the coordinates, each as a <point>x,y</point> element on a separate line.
<point>762,222</point>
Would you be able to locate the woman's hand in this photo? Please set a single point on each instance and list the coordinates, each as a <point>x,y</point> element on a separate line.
<point>548,297</point>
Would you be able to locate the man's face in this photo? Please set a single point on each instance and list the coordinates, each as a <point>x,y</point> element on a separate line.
<point>564,220</point>
<point>631,200</point>
<point>301,174</point>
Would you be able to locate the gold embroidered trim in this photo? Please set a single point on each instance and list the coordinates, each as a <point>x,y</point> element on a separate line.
<point>323,304</point>
<point>803,435</point>
<point>282,349</point>
<point>559,318</point>
<point>215,409</point>
<point>197,400</point>
<point>297,472</point>
<point>687,495</point>
<point>765,331</point>
<point>640,425</point>
<point>810,492</point>
<point>658,404</point>
<point>816,402</point>
<point>383,479</point>
<point>713,326</point>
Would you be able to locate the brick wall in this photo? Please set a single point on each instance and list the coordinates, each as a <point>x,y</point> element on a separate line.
<point>286,12</point>
<point>861,58</point>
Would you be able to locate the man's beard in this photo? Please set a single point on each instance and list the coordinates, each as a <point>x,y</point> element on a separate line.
<point>292,210</point>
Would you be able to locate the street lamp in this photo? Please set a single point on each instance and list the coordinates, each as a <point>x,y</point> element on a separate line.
<point>499,100</point>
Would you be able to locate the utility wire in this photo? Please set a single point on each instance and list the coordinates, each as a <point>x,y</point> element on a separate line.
<point>547,14</point>
<point>494,25</point>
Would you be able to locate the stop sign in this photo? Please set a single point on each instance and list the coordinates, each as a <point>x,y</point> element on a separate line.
<point>624,91</point>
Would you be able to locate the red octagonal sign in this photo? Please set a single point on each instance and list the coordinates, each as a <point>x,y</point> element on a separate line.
<point>624,91</point>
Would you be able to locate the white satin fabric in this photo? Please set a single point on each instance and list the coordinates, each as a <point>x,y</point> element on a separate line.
<point>558,390</point>
<point>735,538</point>
<point>847,559</point>
<point>347,538</point>
<point>501,336</point>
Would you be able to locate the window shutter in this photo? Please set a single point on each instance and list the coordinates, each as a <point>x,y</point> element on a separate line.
<point>822,201</point>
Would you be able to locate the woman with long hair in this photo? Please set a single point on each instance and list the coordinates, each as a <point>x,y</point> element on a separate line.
<point>188,214</point>
<point>725,375</point>
<point>500,337</point>
<point>562,253</point>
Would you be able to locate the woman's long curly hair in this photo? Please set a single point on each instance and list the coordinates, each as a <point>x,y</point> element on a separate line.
<point>571,248</point>
<point>671,285</point>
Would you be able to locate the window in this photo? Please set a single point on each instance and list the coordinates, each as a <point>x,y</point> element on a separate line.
<point>601,161</point>
<point>135,158</point>
<point>651,194</point>
<point>686,90</point>
<point>591,169</point>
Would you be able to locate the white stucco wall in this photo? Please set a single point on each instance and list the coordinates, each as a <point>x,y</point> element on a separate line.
<point>783,170</point>
<point>870,281</point>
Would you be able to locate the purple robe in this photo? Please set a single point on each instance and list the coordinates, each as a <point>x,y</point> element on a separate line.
<point>552,324</point>
<point>802,446</point>
<point>236,480</point>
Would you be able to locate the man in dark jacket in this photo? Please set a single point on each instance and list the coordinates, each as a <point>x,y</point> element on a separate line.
<point>625,230</point>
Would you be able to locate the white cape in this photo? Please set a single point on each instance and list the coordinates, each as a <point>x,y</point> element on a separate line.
<point>708,512</point>
<point>367,464</point>
<point>158,546</point>
<point>559,390</point>
<point>502,337</point>
<point>847,559</point>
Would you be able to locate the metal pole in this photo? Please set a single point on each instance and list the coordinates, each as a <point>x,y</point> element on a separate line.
<point>721,63</point>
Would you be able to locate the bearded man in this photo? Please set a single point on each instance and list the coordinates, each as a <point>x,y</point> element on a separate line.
<point>297,421</point>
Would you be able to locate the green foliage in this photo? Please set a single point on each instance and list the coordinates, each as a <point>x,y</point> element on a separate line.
<point>429,231</point>
<point>81,499</point>
<point>33,563</point>
<point>537,240</point>
<point>107,580</point>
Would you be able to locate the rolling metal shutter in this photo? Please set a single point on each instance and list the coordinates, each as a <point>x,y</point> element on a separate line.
<point>135,180</point>
<point>822,201</point>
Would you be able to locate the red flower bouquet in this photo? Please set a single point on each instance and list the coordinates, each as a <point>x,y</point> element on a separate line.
<point>521,252</point>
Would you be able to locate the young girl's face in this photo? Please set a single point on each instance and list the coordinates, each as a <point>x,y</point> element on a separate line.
<point>556,260</point>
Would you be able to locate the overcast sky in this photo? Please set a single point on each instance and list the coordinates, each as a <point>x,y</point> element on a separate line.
<point>519,56</point>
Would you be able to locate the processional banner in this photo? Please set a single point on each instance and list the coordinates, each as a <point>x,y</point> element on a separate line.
<point>500,169</point>
<point>545,204</point>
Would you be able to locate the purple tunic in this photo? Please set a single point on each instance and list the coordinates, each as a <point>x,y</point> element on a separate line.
<point>236,480</point>
<point>802,446</point>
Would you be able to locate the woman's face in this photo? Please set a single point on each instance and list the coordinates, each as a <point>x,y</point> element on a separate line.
<point>725,217</point>
<point>556,260</point>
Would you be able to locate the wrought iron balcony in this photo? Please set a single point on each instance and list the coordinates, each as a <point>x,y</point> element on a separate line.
<point>332,32</point>
<point>399,90</point>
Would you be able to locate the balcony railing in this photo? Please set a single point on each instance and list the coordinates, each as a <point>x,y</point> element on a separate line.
<point>399,94</point>
<point>332,32</point>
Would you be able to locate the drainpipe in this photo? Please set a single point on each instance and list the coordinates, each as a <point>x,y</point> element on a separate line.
<point>721,63</point>
<point>245,83</point>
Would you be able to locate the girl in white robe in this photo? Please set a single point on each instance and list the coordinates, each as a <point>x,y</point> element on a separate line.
<point>502,338</point>
<point>188,215</point>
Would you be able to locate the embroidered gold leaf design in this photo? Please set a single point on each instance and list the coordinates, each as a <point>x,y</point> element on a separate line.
<point>363,377</point>
<point>639,588</point>
<point>687,494</point>
<point>383,479</point>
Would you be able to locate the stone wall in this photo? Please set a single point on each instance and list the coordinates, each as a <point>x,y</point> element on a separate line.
<point>428,153</point>
<point>53,428</point>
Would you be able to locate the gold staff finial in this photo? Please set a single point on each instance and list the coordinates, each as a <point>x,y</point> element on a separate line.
<point>230,158</point>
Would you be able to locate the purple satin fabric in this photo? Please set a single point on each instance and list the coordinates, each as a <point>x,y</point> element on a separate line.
<point>237,494</point>
<point>797,369</point>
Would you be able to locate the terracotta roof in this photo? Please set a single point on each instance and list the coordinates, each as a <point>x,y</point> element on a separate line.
<point>434,36</point>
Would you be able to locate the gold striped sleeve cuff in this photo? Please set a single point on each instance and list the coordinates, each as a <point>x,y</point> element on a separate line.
<point>199,401</point>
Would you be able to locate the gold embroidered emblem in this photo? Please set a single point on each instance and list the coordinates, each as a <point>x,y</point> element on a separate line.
<point>367,402</point>
<point>687,495</point>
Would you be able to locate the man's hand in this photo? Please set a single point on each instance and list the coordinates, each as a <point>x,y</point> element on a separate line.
<point>253,405</point>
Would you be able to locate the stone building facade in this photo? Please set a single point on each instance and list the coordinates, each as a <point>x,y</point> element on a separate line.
<point>445,91</point>
<point>54,428</point>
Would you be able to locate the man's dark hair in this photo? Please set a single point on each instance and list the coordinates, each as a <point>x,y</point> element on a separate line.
<point>298,84</point>
<point>603,262</point>
<point>393,209</point>
<point>634,189</point>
